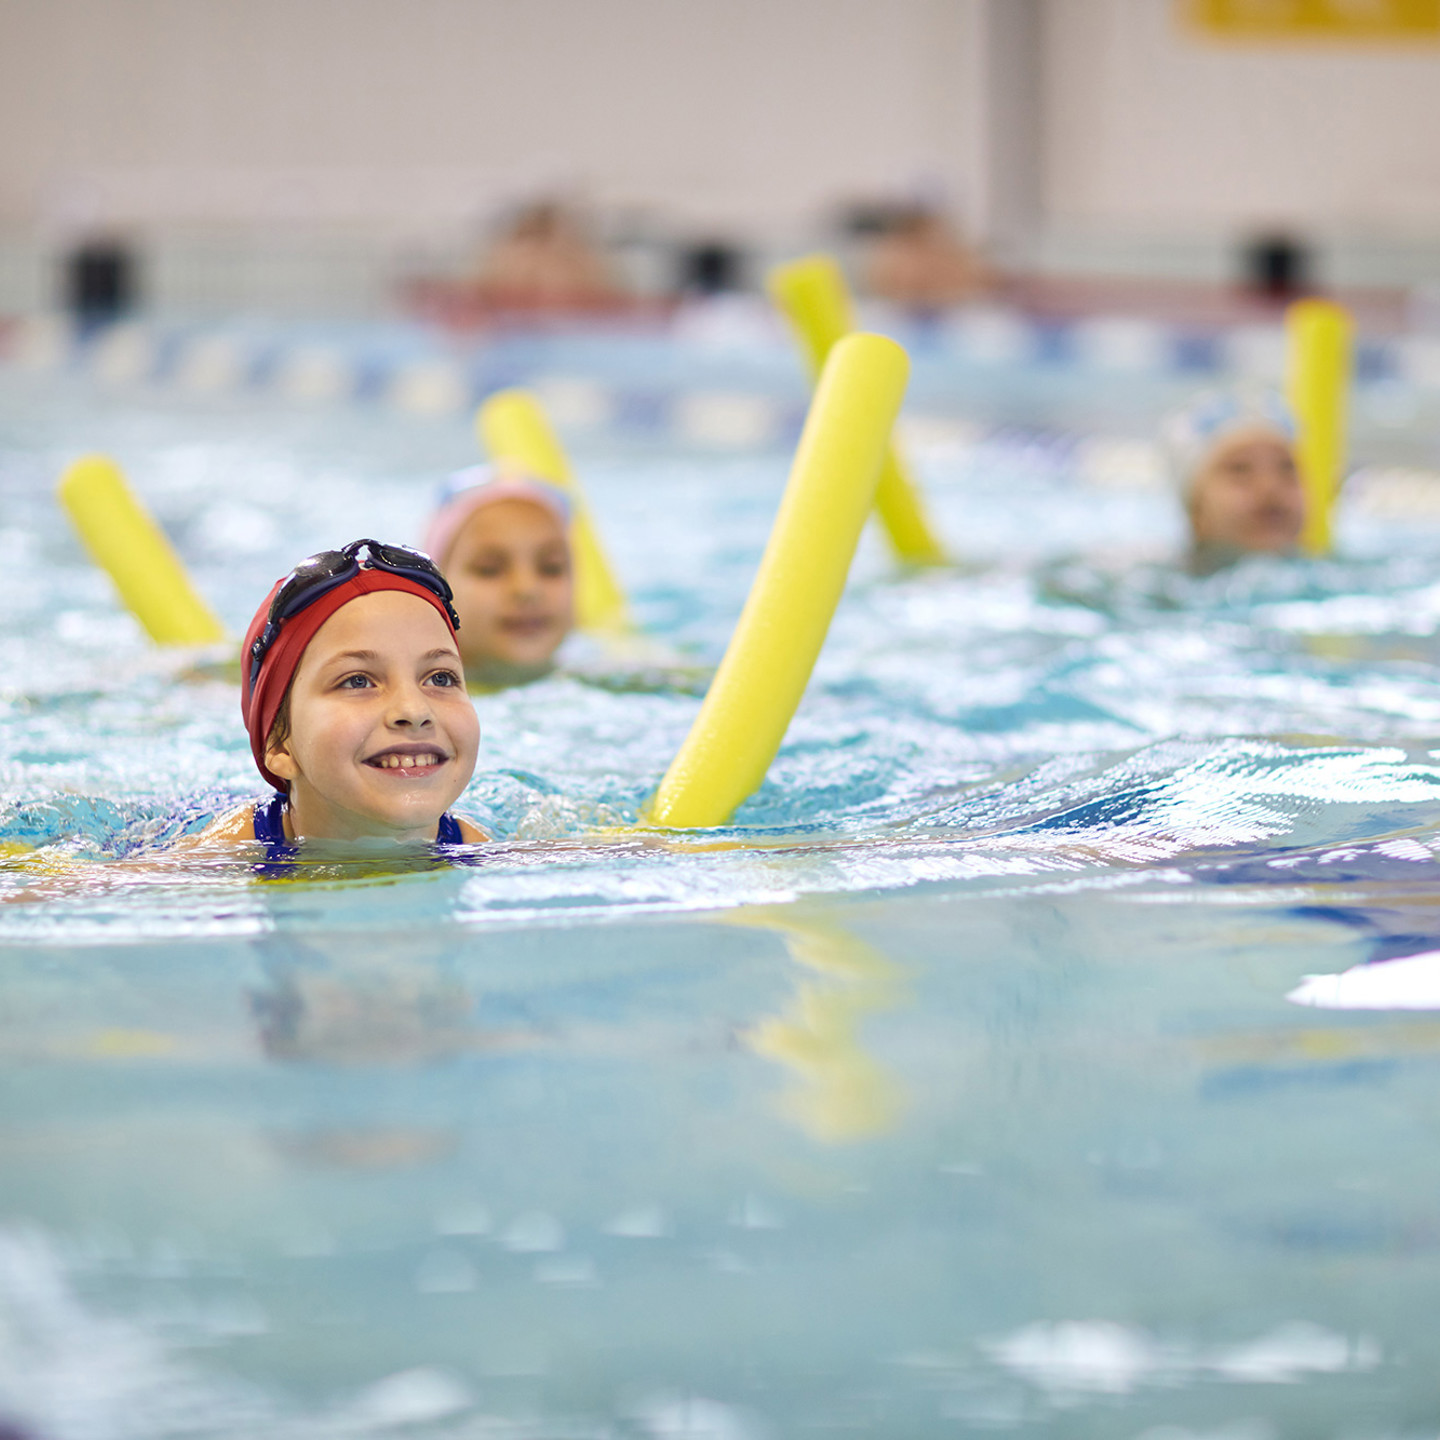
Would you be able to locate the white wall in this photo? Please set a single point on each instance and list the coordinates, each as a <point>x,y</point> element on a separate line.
<point>421,114</point>
<point>1149,128</point>
<point>1095,129</point>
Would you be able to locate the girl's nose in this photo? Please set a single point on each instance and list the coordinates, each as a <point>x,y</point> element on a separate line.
<point>410,709</point>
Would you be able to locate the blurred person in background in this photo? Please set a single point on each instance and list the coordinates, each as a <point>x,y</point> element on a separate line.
<point>501,538</point>
<point>544,260</point>
<point>916,260</point>
<point>1232,456</point>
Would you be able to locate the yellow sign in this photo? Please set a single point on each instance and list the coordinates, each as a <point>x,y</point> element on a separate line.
<point>1316,19</point>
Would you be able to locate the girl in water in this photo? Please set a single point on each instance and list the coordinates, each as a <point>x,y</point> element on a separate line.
<point>502,540</point>
<point>1233,457</point>
<point>353,693</point>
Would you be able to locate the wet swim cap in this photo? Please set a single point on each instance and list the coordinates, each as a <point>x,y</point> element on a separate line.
<point>1189,435</point>
<point>261,704</point>
<point>477,486</point>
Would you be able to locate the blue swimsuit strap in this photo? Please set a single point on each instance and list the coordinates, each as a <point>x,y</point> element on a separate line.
<point>270,827</point>
<point>270,821</point>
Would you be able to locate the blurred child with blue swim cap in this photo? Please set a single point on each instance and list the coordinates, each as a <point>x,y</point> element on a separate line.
<point>501,538</point>
<point>1232,455</point>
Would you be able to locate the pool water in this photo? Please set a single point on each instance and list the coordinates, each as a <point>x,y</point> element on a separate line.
<point>953,1088</point>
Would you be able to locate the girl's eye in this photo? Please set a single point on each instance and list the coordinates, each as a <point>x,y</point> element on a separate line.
<point>445,678</point>
<point>356,682</point>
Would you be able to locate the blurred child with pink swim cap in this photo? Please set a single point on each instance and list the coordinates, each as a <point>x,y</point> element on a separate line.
<point>501,538</point>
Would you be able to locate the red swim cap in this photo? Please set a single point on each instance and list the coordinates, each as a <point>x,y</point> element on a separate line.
<point>282,659</point>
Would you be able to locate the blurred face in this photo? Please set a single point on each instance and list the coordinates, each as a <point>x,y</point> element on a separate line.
<point>1248,495</point>
<point>510,570</point>
<point>383,736</point>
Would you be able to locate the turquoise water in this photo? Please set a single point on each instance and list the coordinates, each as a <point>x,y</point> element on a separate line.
<point>954,1088</point>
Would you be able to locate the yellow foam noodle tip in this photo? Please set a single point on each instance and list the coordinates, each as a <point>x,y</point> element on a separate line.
<point>512,425</point>
<point>767,665</point>
<point>1318,346</point>
<point>125,542</point>
<point>812,295</point>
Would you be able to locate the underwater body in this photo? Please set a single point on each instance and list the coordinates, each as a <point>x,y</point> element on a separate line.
<point>954,1086</point>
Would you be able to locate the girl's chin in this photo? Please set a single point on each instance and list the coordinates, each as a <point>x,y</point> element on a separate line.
<point>379,830</point>
<point>381,808</point>
<point>397,809</point>
<point>369,842</point>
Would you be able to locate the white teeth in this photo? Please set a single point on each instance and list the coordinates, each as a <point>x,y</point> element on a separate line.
<point>407,762</point>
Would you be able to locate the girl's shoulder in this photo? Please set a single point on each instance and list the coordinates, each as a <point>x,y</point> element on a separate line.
<point>470,833</point>
<point>232,828</point>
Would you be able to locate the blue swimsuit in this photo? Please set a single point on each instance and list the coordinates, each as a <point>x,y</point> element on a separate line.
<point>270,829</point>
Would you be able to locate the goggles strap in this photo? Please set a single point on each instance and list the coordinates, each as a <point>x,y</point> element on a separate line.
<point>398,560</point>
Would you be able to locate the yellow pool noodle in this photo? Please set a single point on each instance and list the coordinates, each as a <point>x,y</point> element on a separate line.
<point>512,425</point>
<point>770,656</point>
<point>1318,340</point>
<point>124,541</point>
<point>812,295</point>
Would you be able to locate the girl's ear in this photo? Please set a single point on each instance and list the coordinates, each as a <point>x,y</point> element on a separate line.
<point>280,762</point>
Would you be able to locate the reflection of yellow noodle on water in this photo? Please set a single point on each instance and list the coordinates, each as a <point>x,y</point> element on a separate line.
<point>42,863</point>
<point>512,426</point>
<point>842,1093</point>
<point>812,295</point>
<point>122,1044</point>
<point>1258,1048</point>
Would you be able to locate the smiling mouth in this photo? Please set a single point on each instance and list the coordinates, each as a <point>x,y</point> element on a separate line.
<point>409,762</point>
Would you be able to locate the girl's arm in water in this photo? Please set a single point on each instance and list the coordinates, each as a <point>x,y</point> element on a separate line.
<point>235,827</point>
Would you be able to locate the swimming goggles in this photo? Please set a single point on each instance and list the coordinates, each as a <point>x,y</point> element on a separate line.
<point>329,569</point>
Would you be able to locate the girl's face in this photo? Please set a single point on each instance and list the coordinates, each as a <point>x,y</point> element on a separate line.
<point>382,736</point>
<point>510,570</point>
<point>1248,495</point>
